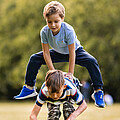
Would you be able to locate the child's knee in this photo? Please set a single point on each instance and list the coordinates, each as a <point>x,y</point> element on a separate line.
<point>92,60</point>
<point>32,57</point>
<point>53,111</point>
<point>67,109</point>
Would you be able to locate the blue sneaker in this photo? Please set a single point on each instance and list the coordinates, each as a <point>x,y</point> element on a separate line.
<point>26,93</point>
<point>98,98</point>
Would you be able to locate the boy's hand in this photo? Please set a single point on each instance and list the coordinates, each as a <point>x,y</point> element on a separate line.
<point>78,111</point>
<point>69,75</point>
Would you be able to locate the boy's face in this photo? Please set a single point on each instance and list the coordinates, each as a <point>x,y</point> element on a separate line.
<point>56,95</point>
<point>54,23</point>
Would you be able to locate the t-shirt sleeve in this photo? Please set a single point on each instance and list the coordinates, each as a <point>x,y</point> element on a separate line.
<point>43,36</point>
<point>77,96</point>
<point>41,98</point>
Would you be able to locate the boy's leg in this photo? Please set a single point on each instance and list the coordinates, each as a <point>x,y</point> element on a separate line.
<point>67,109</point>
<point>35,62</point>
<point>86,60</point>
<point>53,111</point>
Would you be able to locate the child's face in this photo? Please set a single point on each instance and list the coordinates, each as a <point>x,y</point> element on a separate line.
<point>56,95</point>
<point>54,23</point>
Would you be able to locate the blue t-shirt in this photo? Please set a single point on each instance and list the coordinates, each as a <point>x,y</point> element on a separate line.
<point>60,42</point>
<point>70,91</point>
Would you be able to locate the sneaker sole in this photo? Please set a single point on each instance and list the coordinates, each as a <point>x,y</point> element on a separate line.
<point>28,96</point>
<point>92,96</point>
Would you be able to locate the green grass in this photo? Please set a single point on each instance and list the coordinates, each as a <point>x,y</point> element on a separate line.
<point>22,110</point>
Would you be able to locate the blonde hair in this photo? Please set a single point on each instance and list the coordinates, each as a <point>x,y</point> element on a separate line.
<point>54,80</point>
<point>52,8</point>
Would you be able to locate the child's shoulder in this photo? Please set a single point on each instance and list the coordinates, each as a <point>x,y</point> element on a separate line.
<point>45,28</point>
<point>69,83</point>
<point>67,27</point>
<point>44,89</point>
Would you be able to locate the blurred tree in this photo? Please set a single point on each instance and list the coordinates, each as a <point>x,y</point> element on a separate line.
<point>96,24</point>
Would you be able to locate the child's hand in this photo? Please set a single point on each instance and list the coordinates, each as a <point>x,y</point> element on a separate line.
<point>69,75</point>
<point>71,117</point>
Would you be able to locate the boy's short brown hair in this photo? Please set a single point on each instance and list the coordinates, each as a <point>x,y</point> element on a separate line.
<point>52,8</point>
<point>54,80</point>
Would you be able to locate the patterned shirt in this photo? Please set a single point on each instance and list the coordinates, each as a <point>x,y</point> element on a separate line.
<point>70,91</point>
<point>60,42</point>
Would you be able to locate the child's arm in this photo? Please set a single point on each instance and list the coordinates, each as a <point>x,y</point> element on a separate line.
<point>35,111</point>
<point>71,60</point>
<point>47,57</point>
<point>78,111</point>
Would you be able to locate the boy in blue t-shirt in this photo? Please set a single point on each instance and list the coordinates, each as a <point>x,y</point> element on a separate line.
<point>57,90</point>
<point>66,48</point>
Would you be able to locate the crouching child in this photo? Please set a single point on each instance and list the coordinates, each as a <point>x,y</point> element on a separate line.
<point>57,90</point>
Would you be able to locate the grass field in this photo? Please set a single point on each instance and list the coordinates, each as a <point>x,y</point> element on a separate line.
<point>22,110</point>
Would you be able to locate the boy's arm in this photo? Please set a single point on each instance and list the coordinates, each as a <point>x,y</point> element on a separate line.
<point>78,111</point>
<point>47,57</point>
<point>35,111</point>
<point>71,60</point>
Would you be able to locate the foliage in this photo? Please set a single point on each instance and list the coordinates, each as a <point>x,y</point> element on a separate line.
<point>96,24</point>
